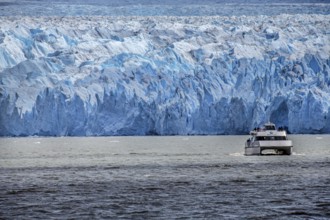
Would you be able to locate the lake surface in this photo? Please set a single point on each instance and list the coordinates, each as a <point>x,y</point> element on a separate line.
<point>179,177</point>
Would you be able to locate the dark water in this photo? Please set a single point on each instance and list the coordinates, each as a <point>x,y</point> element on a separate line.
<point>162,178</point>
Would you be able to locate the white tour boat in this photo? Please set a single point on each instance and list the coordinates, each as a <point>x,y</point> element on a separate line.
<point>268,140</point>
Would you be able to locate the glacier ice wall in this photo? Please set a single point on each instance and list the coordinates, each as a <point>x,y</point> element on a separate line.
<point>163,75</point>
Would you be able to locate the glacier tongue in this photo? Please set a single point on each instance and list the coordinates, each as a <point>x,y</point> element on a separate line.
<point>163,75</point>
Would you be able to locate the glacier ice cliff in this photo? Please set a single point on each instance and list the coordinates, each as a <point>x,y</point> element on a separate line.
<point>163,75</point>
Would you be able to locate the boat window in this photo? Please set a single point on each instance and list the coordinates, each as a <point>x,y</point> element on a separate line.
<point>270,138</point>
<point>270,127</point>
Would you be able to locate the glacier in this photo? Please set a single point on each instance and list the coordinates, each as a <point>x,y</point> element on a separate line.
<point>163,75</point>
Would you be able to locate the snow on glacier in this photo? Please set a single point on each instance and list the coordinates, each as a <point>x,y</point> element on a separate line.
<point>163,75</point>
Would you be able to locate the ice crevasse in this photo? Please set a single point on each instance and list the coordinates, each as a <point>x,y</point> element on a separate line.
<point>163,75</point>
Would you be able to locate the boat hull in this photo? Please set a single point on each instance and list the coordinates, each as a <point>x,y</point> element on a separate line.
<point>269,147</point>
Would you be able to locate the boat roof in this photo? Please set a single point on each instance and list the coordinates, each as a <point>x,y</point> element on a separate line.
<point>269,129</point>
